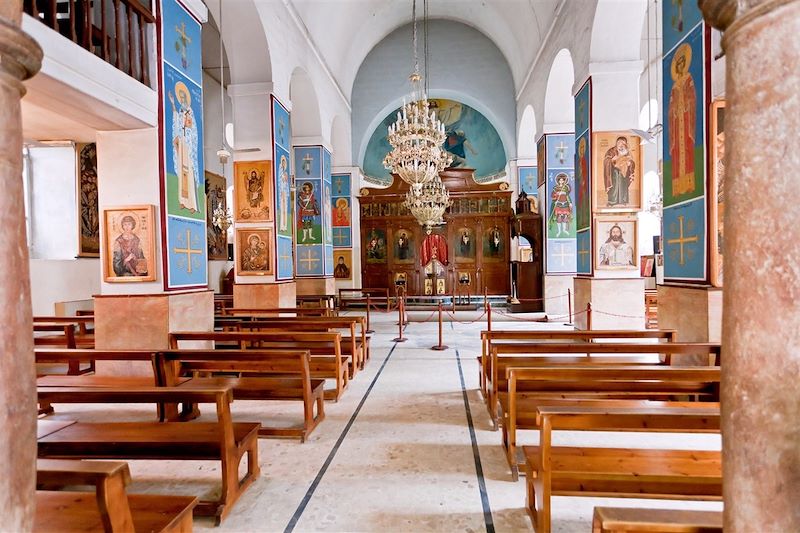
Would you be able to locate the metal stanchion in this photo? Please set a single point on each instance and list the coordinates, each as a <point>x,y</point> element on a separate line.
<point>569,303</point>
<point>369,329</point>
<point>589,315</point>
<point>440,346</point>
<point>400,322</point>
<point>489,316</point>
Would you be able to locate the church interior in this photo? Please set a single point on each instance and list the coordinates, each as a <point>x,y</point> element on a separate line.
<point>409,265</point>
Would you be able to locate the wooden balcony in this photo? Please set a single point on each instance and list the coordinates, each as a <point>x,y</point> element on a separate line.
<point>118,31</point>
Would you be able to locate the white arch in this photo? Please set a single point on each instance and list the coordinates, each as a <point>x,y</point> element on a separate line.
<point>616,30</point>
<point>245,40</point>
<point>340,142</point>
<point>559,107</point>
<point>526,138</point>
<point>305,116</point>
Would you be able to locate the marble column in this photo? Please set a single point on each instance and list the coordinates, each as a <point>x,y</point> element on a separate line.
<point>20,58</point>
<point>761,313</point>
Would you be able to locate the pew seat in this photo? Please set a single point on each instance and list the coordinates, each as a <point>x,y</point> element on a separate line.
<point>637,520</point>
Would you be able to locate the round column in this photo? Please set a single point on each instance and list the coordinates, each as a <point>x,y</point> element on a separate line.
<point>20,58</point>
<point>761,300</point>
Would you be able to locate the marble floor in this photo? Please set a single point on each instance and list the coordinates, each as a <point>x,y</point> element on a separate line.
<point>409,447</point>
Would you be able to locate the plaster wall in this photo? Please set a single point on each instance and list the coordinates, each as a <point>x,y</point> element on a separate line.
<point>62,280</point>
<point>53,212</point>
<point>127,169</point>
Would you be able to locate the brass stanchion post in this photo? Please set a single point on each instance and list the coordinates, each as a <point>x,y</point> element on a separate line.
<point>369,329</point>
<point>439,347</point>
<point>400,322</point>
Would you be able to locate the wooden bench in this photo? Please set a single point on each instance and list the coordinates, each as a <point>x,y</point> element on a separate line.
<point>516,354</point>
<point>527,387</point>
<point>488,337</point>
<point>281,311</point>
<point>377,296</point>
<point>109,506</point>
<point>327,359</point>
<point>264,375</point>
<point>620,472</point>
<point>356,344</point>
<point>638,520</point>
<point>77,357</point>
<point>84,333</point>
<point>221,440</point>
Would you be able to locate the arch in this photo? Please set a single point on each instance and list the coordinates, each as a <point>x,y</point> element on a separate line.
<point>244,39</point>
<point>559,107</point>
<point>340,142</point>
<point>526,139</point>
<point>382,80</point>
<point>616,30</point>
<point>305,117</point>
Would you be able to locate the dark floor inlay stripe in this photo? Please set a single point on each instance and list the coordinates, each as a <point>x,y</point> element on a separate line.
<point>487,510</point>
<point>313,487</point>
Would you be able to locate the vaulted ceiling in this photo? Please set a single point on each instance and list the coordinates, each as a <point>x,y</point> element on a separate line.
<point>344,31</point>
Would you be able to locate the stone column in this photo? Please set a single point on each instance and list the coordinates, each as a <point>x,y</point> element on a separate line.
<point>20,58</point>
<point>761,313</point>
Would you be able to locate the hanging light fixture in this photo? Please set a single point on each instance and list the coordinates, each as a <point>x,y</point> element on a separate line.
<point>417,136</point>
<point>429,205</point>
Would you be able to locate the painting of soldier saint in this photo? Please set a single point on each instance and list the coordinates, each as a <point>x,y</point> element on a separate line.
<point>561,216</point>
<point>465,245</point>
<point>253,191</point>
<point>129,243</point>
<point>308,213</point>
<point>254,257</point>
<point>344,264</point>
<point>404,246</point>
<point>617,171</point>
<point>615,242</point>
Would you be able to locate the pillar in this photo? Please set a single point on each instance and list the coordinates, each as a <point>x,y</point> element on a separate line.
<point>761,316</point>
<point>21,59</point>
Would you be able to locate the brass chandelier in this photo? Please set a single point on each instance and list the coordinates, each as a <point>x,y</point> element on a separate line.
<point>417,135</point>
<point>429,205</point>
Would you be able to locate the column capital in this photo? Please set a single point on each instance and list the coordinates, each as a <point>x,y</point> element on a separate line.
<point>730,15</point>
<point>21,55</point>
<point>249,89</point>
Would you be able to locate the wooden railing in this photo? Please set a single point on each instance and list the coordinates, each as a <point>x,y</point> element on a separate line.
<point>118,31</point>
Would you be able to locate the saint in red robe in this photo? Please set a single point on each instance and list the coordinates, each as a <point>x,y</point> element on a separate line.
<point>434,247</point>
<point>682,115</point>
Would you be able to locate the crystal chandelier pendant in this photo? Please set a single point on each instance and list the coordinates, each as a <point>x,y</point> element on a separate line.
<point>430,204</point>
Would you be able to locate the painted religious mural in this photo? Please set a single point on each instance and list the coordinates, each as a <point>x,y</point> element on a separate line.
<point>617,169</point>
<point>282,187</point>
<point>560,225</point>
<point>685,235</point>
<point>341,211</point>
<point>616,246</point>
<point>88,212</point>
<point>215,199</point>
<point>313,219</point>
<point>527,180</point>
<point>182,175</point>
<point>253,191</point>
<point>717,190</point>
<point>583,177</point>
<point>471,139</point>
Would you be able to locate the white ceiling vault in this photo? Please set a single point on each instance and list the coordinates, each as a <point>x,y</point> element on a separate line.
<point>344,31</point>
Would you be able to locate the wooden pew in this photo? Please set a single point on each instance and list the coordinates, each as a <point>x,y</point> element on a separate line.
<point>76,357</point>
<point>221,440</point>
<point>356,344</point>
<point>526,337</point>
<point>620,472</point>
<point>638,520</point>
<point>110,506</point>
<point>527,387</point>
<point>377,296</point>
<point>273,311</point>
<point>327,359</point>
<point>267,375</point>
<point>515,354</point>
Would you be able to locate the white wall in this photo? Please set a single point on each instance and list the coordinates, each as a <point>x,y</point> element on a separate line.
<point>127,174</point>
<point>62,280</point>
<point>54,218</point>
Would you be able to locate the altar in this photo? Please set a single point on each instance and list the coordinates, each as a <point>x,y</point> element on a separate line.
<point>469,253</point>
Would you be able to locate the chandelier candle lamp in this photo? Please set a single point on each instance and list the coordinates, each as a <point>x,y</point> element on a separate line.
<point>429,205</point>
<point>417,136</point>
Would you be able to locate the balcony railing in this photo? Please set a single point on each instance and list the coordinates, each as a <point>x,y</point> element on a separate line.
<point>118,31</point>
